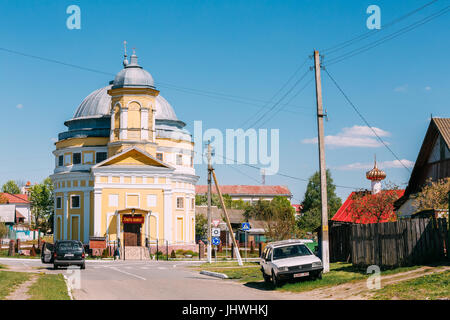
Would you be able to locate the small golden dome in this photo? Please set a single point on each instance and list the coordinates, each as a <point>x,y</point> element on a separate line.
<point>375,174</point>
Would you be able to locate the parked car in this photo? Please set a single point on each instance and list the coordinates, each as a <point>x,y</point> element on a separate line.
<point>47,252</point>
<point>289,259</point>
<point>67,253</point>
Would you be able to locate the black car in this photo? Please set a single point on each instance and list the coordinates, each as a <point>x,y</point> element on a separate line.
<point>68,253</point>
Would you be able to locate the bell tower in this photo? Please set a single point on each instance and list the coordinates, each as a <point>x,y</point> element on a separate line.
<point>133,109</point>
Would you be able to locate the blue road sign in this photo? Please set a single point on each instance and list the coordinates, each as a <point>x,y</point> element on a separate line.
<point>216,241</point>
<point>245,226</point>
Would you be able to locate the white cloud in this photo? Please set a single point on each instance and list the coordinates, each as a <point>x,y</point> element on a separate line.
<point>19,106</point>
<point>427,88</point>
<point>381,165</point>
<point>402,88</point>
<point>356,136</point>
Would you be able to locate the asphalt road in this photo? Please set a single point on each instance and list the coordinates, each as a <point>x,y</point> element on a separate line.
<point>148,280</point>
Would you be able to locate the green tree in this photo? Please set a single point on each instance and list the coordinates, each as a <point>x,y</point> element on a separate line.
<point>3,230</point>
<point>41,198</point>
<point>278,217</point>
<point>11,187</point>
<point>311,213</point>
<point>201,223</point>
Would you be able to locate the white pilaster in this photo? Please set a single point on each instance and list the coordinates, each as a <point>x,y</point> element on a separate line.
<point>87,216</point>
<point>97,212</point>
<point>111,134</point>
<point>66,214</point>
<point>153,128</point>
<point>144,124</point>
<point>54,218</point>
<point>168,215</point>
<point>123,123</point>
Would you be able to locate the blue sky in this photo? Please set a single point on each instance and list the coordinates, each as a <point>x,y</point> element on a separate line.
<point>241,48</point>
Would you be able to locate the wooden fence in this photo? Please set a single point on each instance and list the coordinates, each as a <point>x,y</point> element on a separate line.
<point>340,245</point>
<point>403,243</point>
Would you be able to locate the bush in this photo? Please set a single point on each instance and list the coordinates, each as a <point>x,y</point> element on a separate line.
<point>105,253</point>
<point>188,252</point>
<point>180,252</point>
<point>173,255</point>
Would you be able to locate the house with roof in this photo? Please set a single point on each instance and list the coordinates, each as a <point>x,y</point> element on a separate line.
<point>248,193</point>
<point>346,213</point>
<point>15,208</point>
<point>433,162</point>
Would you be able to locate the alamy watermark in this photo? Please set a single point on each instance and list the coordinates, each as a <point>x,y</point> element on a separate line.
<point>256,147</point>
<point>374,20</point>
<point>74,20</point>
<point>374,280</point>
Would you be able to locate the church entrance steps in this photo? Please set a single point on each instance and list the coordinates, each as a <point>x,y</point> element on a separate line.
<point>135,253</point>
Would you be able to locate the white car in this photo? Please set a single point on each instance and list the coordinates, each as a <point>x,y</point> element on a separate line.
<point>289,259</point>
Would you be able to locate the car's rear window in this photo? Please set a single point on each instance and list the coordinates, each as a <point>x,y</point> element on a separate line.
<point>69,246</point>
<point>296,250</point>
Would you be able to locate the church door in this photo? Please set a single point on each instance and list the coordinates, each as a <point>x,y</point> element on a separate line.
<point>132,234</point>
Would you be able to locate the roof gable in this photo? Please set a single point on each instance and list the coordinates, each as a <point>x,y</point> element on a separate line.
<point>438,127</point>
<point>132,157</point>
<point>14,198</point>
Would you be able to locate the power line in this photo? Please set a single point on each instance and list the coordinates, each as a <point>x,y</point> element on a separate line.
<point>276,94</point>
<point>364,119</point>
<point>281,99</point>
<point>215,95</point>
<point>388,37</point>
<point>370,33</point>
<point>292,98</point>
<point>278,173</point>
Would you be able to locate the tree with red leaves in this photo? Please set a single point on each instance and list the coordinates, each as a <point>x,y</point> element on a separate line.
<point>373,208</point>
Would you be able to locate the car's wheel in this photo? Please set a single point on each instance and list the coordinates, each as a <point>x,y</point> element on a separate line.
<point>275,280</point>
<point>265,276</point>
<point>83,266</point>
<point>319,276</point>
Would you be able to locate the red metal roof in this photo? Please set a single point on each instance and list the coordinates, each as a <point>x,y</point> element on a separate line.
<point>246,190</point>
<point>344,214</point>
<point>15,198</point>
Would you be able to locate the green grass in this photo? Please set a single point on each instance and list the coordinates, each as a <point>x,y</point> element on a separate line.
<point>9,281</point>
<point>433,286</point>
<point>49,287</point>
<point>339,273</point>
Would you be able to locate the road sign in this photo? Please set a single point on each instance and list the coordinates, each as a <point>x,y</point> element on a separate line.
<point>216,241</point>
<point>215,232</point>
<point>245,226</point>
<point>215,223</point>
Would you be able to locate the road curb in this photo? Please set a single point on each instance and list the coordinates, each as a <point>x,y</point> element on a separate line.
<point>214,274</point>
<point>69,289</point>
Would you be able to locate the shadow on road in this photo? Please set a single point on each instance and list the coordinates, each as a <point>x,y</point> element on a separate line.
<point>260,285</point>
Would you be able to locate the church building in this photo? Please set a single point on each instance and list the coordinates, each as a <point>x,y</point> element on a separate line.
<point>124,167</point>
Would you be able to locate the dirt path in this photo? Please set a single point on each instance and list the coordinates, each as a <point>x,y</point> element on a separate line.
<point>21,293</point>
<point>359,291</point>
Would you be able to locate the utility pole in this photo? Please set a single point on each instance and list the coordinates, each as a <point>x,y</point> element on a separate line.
<point>208,250</point>
<point>323,175</point>
<point>227,220</point>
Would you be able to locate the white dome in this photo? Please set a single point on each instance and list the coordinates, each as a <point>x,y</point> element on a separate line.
<point>98,104</point>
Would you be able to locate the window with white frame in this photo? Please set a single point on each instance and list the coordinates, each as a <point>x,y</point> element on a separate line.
<point>60,160</point>
<point>74,202</point>
<point>77,158</point>
<point>159,156</point>
<point>113,200</point>
<point>180,202</point>
<point>151,200</point>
